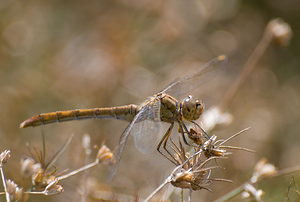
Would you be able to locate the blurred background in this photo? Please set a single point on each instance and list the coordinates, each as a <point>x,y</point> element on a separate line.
<point>61,55</point>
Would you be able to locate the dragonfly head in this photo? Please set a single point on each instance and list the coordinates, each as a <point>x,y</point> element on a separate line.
<point>192,108</point>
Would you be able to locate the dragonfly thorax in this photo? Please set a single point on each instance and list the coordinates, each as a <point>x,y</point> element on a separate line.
<point>191,108</point>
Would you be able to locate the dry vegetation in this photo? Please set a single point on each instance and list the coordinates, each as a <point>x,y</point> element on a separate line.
<point>61,55</point>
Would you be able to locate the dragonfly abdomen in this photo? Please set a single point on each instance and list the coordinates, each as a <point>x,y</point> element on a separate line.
<point>126,113</point>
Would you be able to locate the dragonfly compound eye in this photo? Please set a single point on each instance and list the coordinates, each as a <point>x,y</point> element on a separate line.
<point>199,106</point>
<point>192,109</point>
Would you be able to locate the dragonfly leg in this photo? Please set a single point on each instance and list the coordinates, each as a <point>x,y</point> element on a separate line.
<point>163,141</point>
<point>203,131</point>
<point>183,126</point>
<point>182,132</point>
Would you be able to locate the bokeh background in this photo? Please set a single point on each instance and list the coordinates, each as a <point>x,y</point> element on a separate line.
<point>60,55</point>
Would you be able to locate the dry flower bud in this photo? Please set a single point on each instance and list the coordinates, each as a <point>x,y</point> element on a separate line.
<point>214,117</point>
<point>53,188</point>
<point>38,179</point>
<point>217,152</point>
<point>86,143</point>
<point>263,169</point>
<point>210,149</point>
<point>251,191</point>
<point>245,195</point>
<point>190,180</point>
<point>4,156</point>
<point>182,180</point>
<point>14,191</point>
<point>42,179</point>
<point>29,167</point>
<point>104,154</point>
<point>281,32</point>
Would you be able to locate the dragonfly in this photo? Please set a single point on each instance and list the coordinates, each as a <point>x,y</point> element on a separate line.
<point>145,119</point>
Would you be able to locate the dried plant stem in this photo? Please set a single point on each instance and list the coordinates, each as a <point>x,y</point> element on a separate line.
<point>59,152</point>
<point>231,194</point>
<point>4,183</point>
<point>158,189</point>
<point>190,196</point>
<point>44,146</point>
<point>287,171</point>
<point>248,68</point>
<point>78,170</point>
<point>181,195</point>
<point>84,188</point>
<point>86,143</point>
<point>36,192</point>
<point>240,189</point>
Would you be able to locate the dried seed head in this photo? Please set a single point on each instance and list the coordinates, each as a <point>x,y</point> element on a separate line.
<point>29,167</point>
<point>14,191</point>
<point>191,179</point>
<point>193,173</point>
<point>263,169</point>
<point>53,187</point>
<point>4,156</point>
<point>212,149</point>
<point>281,32</point>
<point>182,180</point>
<point>42,179</point>
<point>104,154</point>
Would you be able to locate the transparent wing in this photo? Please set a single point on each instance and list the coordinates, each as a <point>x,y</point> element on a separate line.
<point>148,112</point>
<point>146,135</point>
<point>183,86</point>
<point>147,131</point>
<point>122,142</point>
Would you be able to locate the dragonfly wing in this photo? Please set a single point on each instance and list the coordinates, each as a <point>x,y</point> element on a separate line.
<point>149,112</point>
<point>183,86</point>
<point>122,142</point>
<point>147,131</point>
<point>146,135</point>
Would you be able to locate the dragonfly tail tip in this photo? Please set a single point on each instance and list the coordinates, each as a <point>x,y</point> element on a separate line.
<point>26,123</point>
<point>23,125</point>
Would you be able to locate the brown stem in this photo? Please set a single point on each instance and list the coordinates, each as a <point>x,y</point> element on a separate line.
<point>248,68</point>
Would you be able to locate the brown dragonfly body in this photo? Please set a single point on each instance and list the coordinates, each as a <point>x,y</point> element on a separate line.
<point>126,113</point>
<point>168,113</point>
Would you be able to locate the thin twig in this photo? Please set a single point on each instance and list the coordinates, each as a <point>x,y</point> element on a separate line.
<point>233,136</point>
<point>86,143</point>
<point>190,195</point>
<point>231,194</point>
<point>286,171</point>
<point>240,189</point>
<point>4,183</point>
<point>78,170</point>
<point>158,189</point>
<point>59,152</point>
<point>248,68</point>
